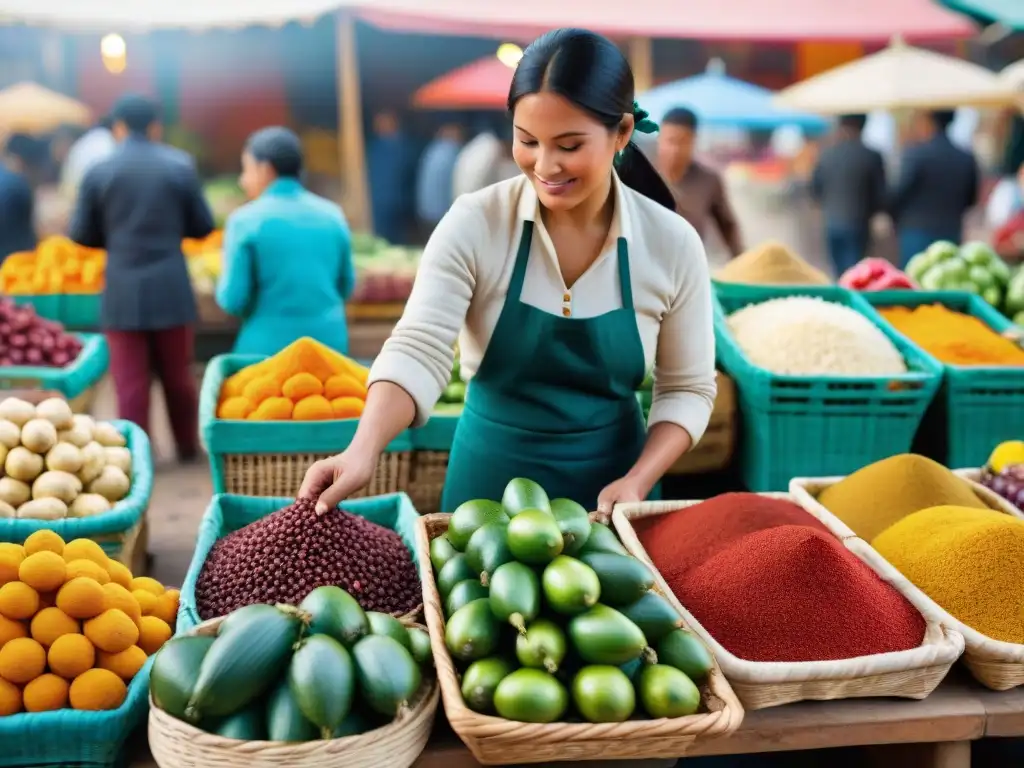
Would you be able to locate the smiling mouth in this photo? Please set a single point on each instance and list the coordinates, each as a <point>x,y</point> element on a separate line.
<point>556,184</point>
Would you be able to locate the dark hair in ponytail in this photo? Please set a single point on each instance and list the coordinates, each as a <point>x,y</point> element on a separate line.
<point>590,71</point>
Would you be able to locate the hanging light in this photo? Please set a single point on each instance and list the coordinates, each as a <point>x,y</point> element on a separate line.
<point>509,54</point>
<point>114,52</point>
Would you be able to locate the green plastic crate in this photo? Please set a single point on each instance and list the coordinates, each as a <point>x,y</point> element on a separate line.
<point>46,304</point>
<point>804,426</point>
<point>979,406</point>
<point>85,371</point>
<point>228,513</point>
<point>277,453</point>
<point>76,311</point>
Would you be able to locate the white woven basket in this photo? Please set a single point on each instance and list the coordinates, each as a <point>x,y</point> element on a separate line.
<point>912,674</point>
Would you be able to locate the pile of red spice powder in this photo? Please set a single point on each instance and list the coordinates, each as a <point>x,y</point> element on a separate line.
<point>770,583</point>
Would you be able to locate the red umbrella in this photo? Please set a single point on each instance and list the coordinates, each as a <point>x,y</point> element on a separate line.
<point>480,85</point>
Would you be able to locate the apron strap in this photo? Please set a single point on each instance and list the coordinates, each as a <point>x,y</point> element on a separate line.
<point>625,282</point>
<point>515,286</point>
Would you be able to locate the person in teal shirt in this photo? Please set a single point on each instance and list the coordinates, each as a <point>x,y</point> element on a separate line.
<point>288,265</point>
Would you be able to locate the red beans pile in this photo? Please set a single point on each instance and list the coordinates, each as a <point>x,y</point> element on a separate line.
<point>284,556</point>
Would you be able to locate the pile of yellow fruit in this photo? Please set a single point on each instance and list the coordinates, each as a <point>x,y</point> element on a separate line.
<point>57,265</point>
<point>75,626</point>
<point>305,381</point>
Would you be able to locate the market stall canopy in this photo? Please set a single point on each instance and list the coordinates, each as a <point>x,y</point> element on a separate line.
<point>723,101</point>
<point>1008,13</point>
<point>898,77</point>
<point>483,84</point>
<point>780,20</point>
<point>30,108</point>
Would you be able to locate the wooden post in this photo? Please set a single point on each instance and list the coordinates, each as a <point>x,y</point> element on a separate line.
<point>641,59</point>
<point>352,148</point>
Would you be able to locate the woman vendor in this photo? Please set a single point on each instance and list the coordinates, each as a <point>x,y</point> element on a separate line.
<point>567,282</point>
<point>287,254</point>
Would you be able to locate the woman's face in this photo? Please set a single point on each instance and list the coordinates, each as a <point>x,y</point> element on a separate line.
<point>564,151</point>
<point>256,176</point>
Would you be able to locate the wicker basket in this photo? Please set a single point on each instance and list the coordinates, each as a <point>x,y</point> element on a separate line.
<point>911,674</point>
<point>176,744</point>
<point>496,741</point>
<point>715,449</point>
<point>427,473</point>
<point>995,664</point>
<point>280,474</point>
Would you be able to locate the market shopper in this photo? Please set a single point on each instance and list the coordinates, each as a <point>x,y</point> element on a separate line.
<point>288,265</point>
<point>567,283</point>
<point>17,203</point>
<point>139,204</point>
<point>938,184</point>
<point>391,159</point>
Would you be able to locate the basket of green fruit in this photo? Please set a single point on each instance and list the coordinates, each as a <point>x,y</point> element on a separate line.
<point>541,625</point>
<point>322,685</point>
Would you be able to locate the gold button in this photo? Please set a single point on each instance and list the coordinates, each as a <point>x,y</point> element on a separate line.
<point>566,311</point>
<point>566,296</point>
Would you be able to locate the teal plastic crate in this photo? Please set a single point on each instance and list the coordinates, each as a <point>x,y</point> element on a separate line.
<point>47,305</point>
<point>70,737</point>
<point>235,447</point>
<point>105,527</point>
<point>80,311</point>
<point>228,513</point>
<point>437,434</point>
<point>803,426</point>
<point>979,406</point>
<point>84,372</point>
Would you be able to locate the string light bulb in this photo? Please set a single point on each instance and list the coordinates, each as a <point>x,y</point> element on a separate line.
<point>509,54</point>
<point>114,52</point>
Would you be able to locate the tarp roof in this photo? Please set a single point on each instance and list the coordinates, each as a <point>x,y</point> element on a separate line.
<point>779,20</point>
<point>482,84</point>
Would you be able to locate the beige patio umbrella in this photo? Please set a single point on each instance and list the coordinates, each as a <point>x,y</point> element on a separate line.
<point>898,77</point>
<point>30,108</point>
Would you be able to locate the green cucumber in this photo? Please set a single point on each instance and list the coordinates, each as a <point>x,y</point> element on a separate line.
<point>322,680</point>
<point>246,725</point>
<point>667,692</point>
<point>389,626</point>
<point>285,721</point>
<point>654,615</point>
<point>570,586</point>
<point>624,579</point>
<point>455,570</point>
<point>243,616</point>
<point>574,523</point>
<point>471,515</point>
<point>419,644</point>
<point>242,663</point>
<point>480,681</point>
<point>542,646</point>
<point>603,694</point>
<point>334,612</point>
<point>684,651</point>
<point>488,549</point>
<point>472,632</point>
<point>531,696</point>
<point>175,672</point>
<point>515,595</point>
<point>441,551</point>
<point>387,673</point>
<point>534,538</point>
<point>521,494</point>
<point>603,539</point>
<point>464,592</point>
<point>604,636</point>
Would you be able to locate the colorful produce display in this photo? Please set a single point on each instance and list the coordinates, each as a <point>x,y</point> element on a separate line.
<point>75,626</point>
<point>305,381</point>
<point>384,272</point>
<point>205,261</point>
<point>808,336</point>
<point>1004,472</point>
<point>758,572</point>
<point>324,670</point>
<point>454,395</point>
<point>549,617</point>
<point>57,265</point>
<point>282,557</point>
<point>28,339</point>
<point>57,464</point>
<point>873,274</point>
<point>973,267</point>
<point>953,337</point>
<point>771,264</point>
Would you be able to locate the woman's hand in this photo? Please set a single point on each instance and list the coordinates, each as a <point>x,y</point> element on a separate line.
<point>625,489</point>
<point>331,481</point>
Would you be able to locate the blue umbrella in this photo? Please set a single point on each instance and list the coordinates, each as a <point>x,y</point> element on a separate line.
<point>723,101</point>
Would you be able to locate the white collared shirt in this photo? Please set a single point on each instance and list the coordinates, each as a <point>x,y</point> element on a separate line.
<point>463,280</point>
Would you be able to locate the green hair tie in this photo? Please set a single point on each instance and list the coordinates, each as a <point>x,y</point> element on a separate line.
<point>642,120</point>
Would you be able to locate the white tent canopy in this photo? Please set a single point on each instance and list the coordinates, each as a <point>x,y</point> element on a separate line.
<point>899,77</point>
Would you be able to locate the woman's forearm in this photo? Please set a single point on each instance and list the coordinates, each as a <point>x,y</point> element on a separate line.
<point>666,442</point>
<point>389,410</point>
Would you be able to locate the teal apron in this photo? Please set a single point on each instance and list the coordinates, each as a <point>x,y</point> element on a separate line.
<point>554,400</point>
